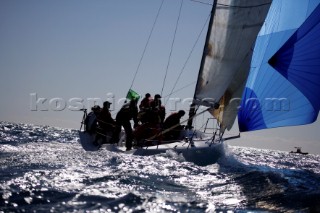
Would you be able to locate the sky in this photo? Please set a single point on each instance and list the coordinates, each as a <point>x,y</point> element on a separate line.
<point>59,56</point>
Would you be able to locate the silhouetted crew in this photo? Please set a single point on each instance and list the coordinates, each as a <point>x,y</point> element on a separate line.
<point>129,111</point>
<point>91,119</point>
<point>145,109</point>
<point>173,123</point>
<point>159,111</point>
<point>105,120</point>
<point>145,103</point>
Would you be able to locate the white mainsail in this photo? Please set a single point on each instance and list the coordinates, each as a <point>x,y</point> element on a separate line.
<point>233,29</point>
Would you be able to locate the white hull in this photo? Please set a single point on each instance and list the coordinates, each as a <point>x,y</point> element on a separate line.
<point>202,153</point>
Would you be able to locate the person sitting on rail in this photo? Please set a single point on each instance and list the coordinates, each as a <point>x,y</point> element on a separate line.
<point>106,123</point>
<point>91,120</point>
<point>172,125</point>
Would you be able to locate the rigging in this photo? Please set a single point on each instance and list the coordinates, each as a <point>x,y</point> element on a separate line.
<point>172,44</point>
<point>147,43</point>
<point>187,60</point>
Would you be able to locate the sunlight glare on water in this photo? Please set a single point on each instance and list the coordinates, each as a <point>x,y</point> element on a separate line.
<point>45,169</point>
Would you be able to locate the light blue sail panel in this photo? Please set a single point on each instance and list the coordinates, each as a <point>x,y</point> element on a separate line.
<point>298,59</point>
<point>271,100</point>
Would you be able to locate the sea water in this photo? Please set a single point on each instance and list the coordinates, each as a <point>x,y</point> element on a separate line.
<point>44,169</point>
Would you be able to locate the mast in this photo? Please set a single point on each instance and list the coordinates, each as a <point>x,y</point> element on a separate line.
<point>192,111</point>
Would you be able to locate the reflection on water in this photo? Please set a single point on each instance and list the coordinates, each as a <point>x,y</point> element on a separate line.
<point>45,169</point>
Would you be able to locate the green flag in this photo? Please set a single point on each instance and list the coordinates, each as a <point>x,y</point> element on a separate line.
<point>132,95</point>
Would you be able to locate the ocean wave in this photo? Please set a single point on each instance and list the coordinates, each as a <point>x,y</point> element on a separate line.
<point>45,169</point>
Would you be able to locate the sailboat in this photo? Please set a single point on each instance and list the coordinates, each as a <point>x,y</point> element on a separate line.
<point>298,151</point>
<point>233,47</point>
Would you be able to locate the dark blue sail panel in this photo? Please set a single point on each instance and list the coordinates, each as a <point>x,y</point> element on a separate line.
<point>271,98</point>
<point>250,119</point>
<point>299,58</point>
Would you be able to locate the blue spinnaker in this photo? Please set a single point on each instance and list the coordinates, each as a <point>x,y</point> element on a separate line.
<point>284,82</point>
